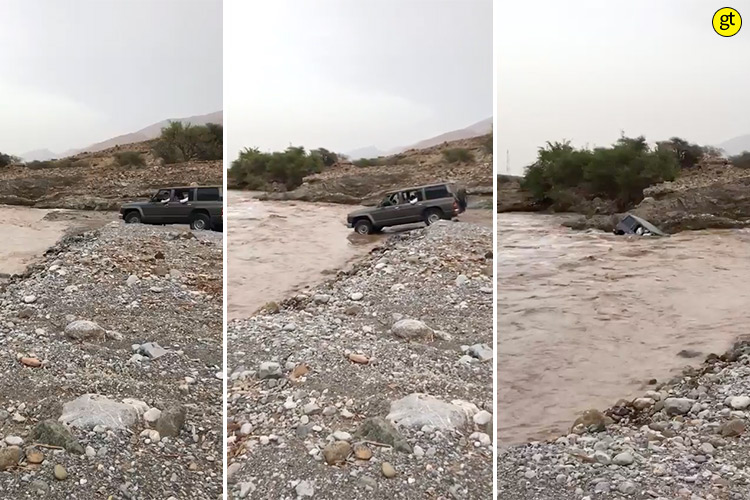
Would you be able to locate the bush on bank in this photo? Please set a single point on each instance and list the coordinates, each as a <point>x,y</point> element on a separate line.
<point>256,170</point>
<point>180,143</point>
<point>563,175</point>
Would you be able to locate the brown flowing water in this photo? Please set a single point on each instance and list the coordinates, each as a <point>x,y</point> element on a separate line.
<point>275,249</point>
<point>587,318</point>
<point>26,236</point>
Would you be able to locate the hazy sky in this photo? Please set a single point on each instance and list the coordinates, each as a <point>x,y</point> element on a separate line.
<point>585,70</point>
<point>345,74</point>
<point>76,72</point>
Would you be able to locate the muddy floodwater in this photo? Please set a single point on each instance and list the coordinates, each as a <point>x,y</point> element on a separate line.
<point>275,249</point>
<point>278,248</point>
<point>28,232</point>
<point>26,235</point>
<point>588,318</point>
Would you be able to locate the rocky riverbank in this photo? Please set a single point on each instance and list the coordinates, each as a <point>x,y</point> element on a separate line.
<point>684,440</point>
<point>96,181</point>
<point>710,196</point>
<point>110,353</point>
<point>350,184</point>
<point>376,384</point>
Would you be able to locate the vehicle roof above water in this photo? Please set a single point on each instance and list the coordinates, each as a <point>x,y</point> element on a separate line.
<point>190,187</point>
<point>646,224</point>
<point>412,188</point>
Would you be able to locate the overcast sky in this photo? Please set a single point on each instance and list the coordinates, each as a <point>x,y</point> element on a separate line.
<point>585,70</point>
<point>76,72</point>
<point>345,74</point>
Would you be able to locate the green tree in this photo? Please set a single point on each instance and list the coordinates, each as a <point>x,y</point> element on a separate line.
<point>6,159</point>
<point>185,142</point>
<point>256,170</point>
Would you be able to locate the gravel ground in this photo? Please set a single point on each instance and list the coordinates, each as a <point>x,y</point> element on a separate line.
<point>684,440</point>
<point>137,284</point>
<point>375,384</point>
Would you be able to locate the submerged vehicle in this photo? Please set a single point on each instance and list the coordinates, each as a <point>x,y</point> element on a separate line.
<point>632,224</point>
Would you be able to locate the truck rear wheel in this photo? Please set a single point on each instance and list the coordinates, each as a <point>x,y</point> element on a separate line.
<point>200,222</point>
<point>432,215</point>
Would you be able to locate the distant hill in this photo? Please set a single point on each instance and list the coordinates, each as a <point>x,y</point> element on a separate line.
<point>38,155</point>
<point>736,145</point>
<point>145,134</point>
<point>478,129</point>
<point>367,152</point>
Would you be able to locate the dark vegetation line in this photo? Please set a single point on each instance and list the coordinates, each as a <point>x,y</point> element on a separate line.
<point>256,170</point>
<point>563,175</point>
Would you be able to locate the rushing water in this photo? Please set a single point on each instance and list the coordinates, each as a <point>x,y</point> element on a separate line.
<point>277,248</point>
<point>587,318</point>
<point>26,235</point>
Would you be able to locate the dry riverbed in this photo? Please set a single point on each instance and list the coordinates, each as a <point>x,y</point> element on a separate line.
<point>110,353</point>
<point>374,384</point>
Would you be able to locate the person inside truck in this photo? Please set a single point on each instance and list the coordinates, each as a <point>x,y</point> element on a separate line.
<point>184,197</point>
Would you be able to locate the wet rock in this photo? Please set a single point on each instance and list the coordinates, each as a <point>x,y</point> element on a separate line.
<point>336,452</point>
<point>269,369</point>
<point>733,428</point>
<point>91,410</point>
<point>388,470</point>
<point>171,421</point>
<point>52,433</point>
<point>304,489</point>
<point>739,402</point>
<point>362,452</point>
<point>379,430</point>
<point>85,330</point>
<point>34,456</point>
<point>623,459</point>
<point>9,457</point>
<point>678,406</point>
<point>152,350</point>
<point>60,473</point>
<point>417,410</point>
<point>411,329</point>
<point>482,352</point>
<point>591,421</point>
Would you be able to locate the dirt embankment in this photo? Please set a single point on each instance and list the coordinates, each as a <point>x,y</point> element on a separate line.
<point>95,181</point>
<point>376,384</point>
<point>710,196</point>
<point>350,184</point>
<point>110,350</point>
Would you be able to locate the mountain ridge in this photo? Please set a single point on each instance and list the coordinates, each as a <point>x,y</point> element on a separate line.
<point>147,133</point>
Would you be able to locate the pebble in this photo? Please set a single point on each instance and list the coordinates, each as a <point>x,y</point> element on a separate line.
<point>60,473</point>
<point>388,470</point>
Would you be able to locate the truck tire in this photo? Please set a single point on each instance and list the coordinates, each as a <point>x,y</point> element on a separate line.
<point>200,222</point>
<point>432,215</point>
<point>133,217</point>
<point>363,226</point>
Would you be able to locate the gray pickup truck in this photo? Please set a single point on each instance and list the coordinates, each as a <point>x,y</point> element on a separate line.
<point>201,207</point>
<point>427,204</point>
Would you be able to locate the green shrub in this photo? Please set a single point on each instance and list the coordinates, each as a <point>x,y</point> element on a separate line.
<point>256,170</point>
<point>181,143</point>
<point>741,160</point>
<point>620,172</point>
<point>6,160</point>
<point>458,155</point>
<point>129,159</point>
<point>367,162</point>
